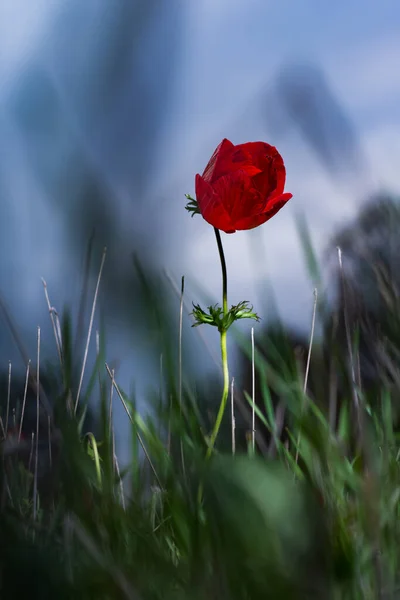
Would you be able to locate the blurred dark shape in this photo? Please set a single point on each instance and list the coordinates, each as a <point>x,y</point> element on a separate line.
<point>89,116</point>
<point>120,95</point>
<point>366,310</point>
<point>369,287</point>
<point>285,353</point>
<point>48,431</point>
<point>280,524</point>
<point>108,95</point>
<point>308,100</point>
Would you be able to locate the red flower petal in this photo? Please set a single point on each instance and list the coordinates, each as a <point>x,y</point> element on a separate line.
<point>258,152</point>
<point>211,206</point>
<point>273,201</point>
<point>273,173</point>
<point>242,186</point>
<point>255,221</point>
<point>227,159</point>
<point>238,196</point>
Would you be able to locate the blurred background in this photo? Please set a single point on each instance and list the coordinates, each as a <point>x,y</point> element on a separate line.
<point>108,109</point>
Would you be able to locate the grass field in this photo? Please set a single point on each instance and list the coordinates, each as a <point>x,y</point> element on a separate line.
<point>307,506</point>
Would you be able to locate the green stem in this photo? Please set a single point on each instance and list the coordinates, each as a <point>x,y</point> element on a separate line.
<point>224,353</point>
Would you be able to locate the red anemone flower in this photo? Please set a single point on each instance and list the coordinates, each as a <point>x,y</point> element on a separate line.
<point>242,186</point>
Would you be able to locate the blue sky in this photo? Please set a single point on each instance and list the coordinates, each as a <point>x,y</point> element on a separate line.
<point>228,51</point>
<point>233,50</point>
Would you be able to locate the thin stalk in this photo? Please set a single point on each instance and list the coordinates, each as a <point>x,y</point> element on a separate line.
<point>188,309</point>
<point>31,451</point>
<point>84,291</point>
<point>333,379</point>
<point>253,394</point>
<point>307,369</point>
<point>92,441</point>
<point>21,349</point>
<point>35,491</point>
<point>49,438</point>
<point>352,369</point>
<point>233,423</point>
<point>169,427</point>
<point>224,272</point>
<point>90,328</point>
<point>8,396</point>
<point>121,483</point>
<point>224,353</point>
<point>110,408</point>
<point>52,314</point>
<point>124,404</point>
<point>113,450</point>
<point>180,368</point>
<point>371,481</point>
<point>106,565</point>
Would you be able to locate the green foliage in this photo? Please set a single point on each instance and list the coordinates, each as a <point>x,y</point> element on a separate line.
<point>216,317</point>
<point>312,513</point>
<point>192,206</point>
